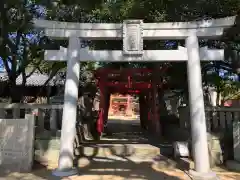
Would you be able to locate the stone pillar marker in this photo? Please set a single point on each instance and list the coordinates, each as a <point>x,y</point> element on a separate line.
<point>197,112</point>
<point>53,120</point>
<point>2,113</point>
<point>236,139</point>
<point>65,163</point>
<point>41,115</point>
<point>16,113</point>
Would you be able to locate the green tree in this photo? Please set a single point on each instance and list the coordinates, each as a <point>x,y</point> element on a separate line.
<point>21,54</point>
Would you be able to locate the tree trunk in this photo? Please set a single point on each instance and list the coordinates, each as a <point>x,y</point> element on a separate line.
<point>16,96</point>
<point>162,103</point>
<point>163,112</point>
<point>16,92</point>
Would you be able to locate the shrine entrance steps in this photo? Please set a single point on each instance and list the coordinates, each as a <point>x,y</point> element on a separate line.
<point>123,141</point>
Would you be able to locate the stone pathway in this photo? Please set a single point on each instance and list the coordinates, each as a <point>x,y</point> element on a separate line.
<point>111,171</point>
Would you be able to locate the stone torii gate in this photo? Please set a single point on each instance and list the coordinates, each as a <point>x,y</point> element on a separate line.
<point>133,32</point>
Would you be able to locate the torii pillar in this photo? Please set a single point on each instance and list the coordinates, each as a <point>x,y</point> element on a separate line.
<point>197,111</point>
<point>155,104</point>
<point>66,155</point>
<point>104,106</point>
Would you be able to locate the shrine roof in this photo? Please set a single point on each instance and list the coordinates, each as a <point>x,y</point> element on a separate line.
<point>36,79</point>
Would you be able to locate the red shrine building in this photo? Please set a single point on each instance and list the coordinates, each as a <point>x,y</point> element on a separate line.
<point>123,105</point>
<point>143,82</point>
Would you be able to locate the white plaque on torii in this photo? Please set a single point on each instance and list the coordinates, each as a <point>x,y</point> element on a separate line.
<point>132,39</point>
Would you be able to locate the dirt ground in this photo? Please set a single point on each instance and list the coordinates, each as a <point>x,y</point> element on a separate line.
<point>114,171</point>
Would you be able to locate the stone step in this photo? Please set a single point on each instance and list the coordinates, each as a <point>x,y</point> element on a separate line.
<point>144,151</point>
<point>54,143</point>
<point>48,151</point>
<point>121,142</point>
<point>102,158</point>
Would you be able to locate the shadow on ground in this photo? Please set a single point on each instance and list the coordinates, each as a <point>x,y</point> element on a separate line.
<point>107,168</point>
<point>116,167</point>
<point>92,167</point>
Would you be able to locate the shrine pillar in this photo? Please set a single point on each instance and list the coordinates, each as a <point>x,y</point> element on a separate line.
<point>110,109</point>
<point>129,106</point>
<point>107,104</point>
<point>102,107</point>
<point>66,156</point>
<point>197,111</point>
<point>156,118</point>
<point>149,99</point>
<point>143,111</point>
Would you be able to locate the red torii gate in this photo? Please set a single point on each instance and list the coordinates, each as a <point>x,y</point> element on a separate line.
<point>142,81</point>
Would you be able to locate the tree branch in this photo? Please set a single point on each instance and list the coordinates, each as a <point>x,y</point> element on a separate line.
<point>4,37</point>
<point>52,74</point>
<point>34,69</point>
<point>15,53</point>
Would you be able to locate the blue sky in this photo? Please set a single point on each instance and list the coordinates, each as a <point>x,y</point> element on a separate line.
<point>2,68</point>
<point>1,65</point>
<point>32,38</point>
